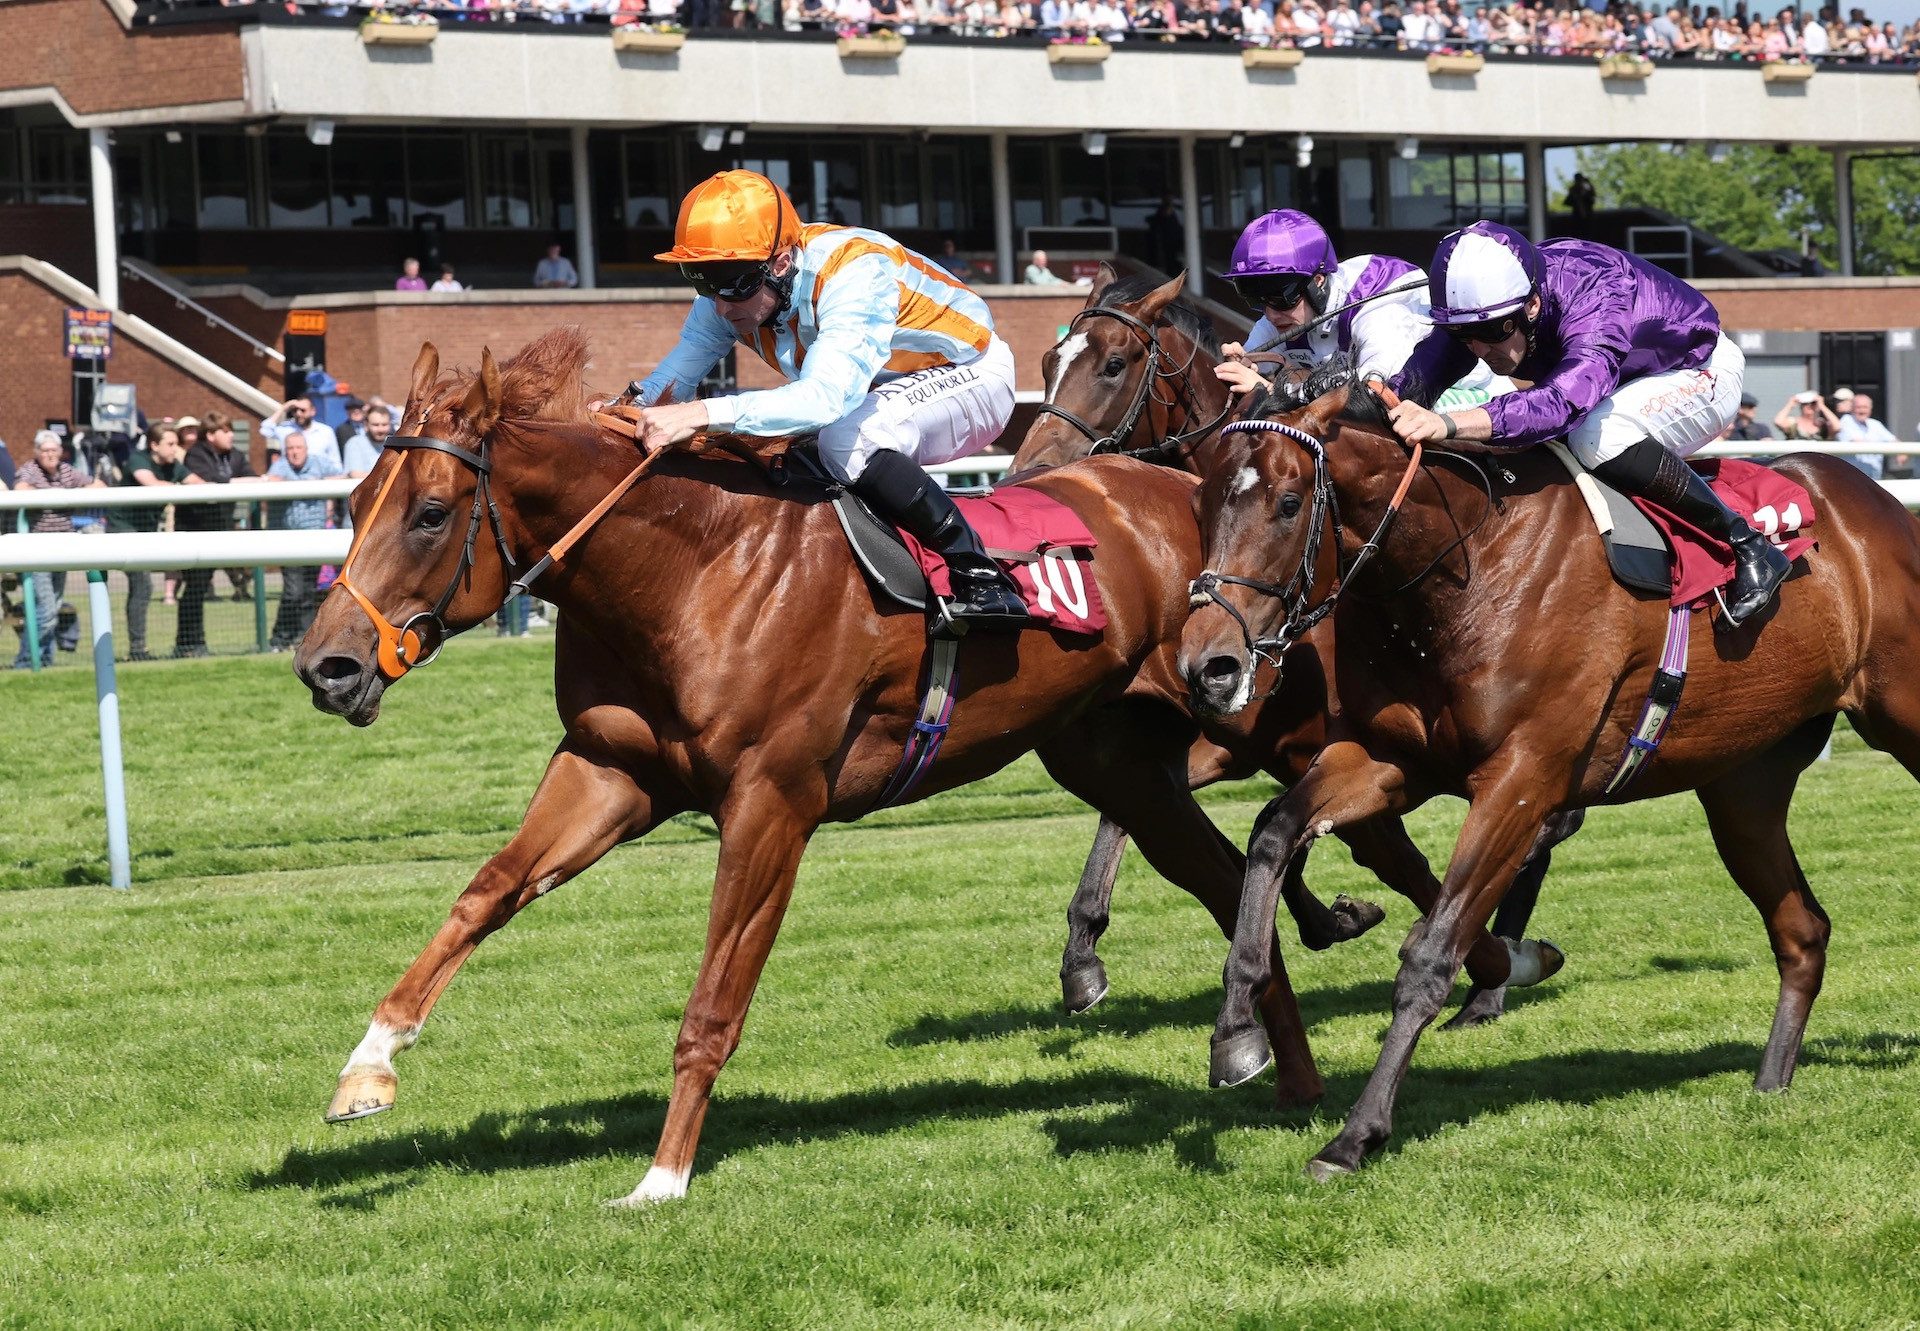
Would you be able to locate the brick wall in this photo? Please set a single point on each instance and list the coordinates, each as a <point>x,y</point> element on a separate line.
<point>36,378</point>
<point>79,47</point>
<point>1837,305</point>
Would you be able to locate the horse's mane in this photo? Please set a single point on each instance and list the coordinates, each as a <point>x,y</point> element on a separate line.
<point>543,381</point>
<point>1193,322</point>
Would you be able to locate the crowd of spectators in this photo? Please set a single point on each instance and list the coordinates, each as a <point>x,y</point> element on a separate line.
<point>1733,32</point>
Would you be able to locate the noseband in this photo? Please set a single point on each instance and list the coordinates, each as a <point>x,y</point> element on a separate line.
<point>1159,365</point>
<point>1296,592</point>
<point>403,648</point>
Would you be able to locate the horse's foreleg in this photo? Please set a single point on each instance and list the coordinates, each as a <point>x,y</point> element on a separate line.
<point>1499,831</point>
<point>1345,786</point>
<point>1487,1003</point>
<point>762,836</point>
<point>580,812</point>
<point>1083,979</point>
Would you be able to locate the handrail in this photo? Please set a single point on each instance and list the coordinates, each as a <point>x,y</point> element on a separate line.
<point>139,272</point>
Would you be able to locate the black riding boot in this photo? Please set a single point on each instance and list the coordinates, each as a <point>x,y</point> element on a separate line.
<point>895,487</point>
<point>1659,476</point>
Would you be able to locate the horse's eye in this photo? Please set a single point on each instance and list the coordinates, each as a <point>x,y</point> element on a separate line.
<point>431,518</point>
<point>1115,365</point>
<point>1289,505</point>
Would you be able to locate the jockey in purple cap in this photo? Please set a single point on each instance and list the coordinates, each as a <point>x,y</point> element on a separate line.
<point>1627,362</point>
<point>1284,266</point>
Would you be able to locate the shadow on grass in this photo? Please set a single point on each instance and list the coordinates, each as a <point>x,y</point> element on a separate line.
<point>1089,1111</point>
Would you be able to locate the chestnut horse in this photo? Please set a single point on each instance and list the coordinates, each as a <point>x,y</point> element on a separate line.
<point>1487,652</point>
<point>719,651</point>
<point>1134,375</point>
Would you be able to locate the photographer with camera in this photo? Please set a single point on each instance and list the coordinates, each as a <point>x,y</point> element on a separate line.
<point>1806,416</point>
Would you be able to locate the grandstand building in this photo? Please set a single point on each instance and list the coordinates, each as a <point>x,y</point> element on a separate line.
<point>207,171</point>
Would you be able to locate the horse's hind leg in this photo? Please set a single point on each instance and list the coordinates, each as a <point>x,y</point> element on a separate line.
<point>582,810</point>
<point>1483,1005</point>
<point>1747,812</point>
<point>1083,980</point>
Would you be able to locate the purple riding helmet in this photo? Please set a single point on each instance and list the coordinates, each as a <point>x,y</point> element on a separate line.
<point>1281,256</point>
<point>1484,274</point>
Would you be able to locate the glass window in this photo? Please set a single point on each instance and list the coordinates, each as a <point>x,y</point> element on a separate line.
<point>223,181</point>
<point>296,181</point>
<point>437,177</point>
<point>1141,171</point>
<point>650,198</point>
<point>13,178</point>
<point>506,180</point>
<point>896,191</point>
<point>1027,165</point>
<point>1356,192</point>
<point>1082,184</point>
<point>369,180</point>
<point>838,170</point>
<point>1422,193</point>
<point>57,160</point>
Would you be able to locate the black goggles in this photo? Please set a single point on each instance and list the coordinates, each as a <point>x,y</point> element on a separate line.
<point>1487,331</point>
<point>1281,291</point>
<point>732,280</point>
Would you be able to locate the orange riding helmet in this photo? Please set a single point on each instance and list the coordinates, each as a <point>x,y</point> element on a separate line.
<point>733,216</point>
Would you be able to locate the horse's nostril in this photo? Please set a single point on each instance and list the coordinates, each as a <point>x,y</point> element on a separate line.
<point>1220,670</point>
<point>335,669</point>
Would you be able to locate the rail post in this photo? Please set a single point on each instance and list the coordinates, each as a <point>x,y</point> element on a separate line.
<point>106,692</point>
<point>26,601</point>
<point>259,587</point>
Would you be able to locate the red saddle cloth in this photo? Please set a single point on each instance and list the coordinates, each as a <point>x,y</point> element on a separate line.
<point>1777,508</point>
<point>1043,544</point>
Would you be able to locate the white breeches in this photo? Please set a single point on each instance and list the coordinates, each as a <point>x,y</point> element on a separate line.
<point>1683,409</point>
<point>932,415</point>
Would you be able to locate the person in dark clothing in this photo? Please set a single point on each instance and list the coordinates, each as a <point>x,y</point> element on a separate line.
<point>210,461</point>
<point>157,463</point>
<point>1580,199</point>
<point>1166,238</point>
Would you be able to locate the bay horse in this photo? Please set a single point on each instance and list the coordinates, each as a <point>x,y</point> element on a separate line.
<point>1133,374</point>
<point>1487,652</point>
<point>719,651</point>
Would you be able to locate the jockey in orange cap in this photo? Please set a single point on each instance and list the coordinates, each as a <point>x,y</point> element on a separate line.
<point>890,362</point>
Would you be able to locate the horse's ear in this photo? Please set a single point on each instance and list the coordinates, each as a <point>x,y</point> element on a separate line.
<point>1318,416</point>
<point>1162,296</point>
<point>481,406</point>
<point>426,371</point>
<point>1103,279</point>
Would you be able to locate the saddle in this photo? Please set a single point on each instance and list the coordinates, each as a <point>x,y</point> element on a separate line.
<point>1650,550</point>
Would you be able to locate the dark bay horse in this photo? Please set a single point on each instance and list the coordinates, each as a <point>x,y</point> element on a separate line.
<point>1134,375</point>
<point>719,651</point>
<point>1487,652</point>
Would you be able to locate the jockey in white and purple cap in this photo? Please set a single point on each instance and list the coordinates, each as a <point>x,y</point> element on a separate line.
<point>1626,361</point>
<point>1284,266</point>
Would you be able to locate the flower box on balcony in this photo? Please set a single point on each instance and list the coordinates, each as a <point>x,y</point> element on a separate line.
<point>1456,62</point>
<point>1271,57</point>
<point>1078,53</point>
<point>1626,68</point>
<point>1784,71</point>
<point>647,39</point>
<point>873,46</point>
<point>417,31</point>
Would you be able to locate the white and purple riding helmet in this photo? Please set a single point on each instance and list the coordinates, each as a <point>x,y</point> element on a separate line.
<point>1280,258</point>
<point>1481,279</point>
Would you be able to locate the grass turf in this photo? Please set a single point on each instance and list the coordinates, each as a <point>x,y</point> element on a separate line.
<point>911,1133</point>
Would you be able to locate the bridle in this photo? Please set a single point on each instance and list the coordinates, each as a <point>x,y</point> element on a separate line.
<point>403,648</point>
<point>1296,593</point>
<point>1159,365</point>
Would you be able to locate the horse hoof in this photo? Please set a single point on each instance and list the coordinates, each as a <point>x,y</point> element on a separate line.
<point>660,1185</point>
<point>1238,1059</point>
<point>1482,1006</point>
<point>1083,986</point>
<point>1355,916</point>
<point>362,1092</point>
<point>1532,961</point>
<point>1325,1171</point>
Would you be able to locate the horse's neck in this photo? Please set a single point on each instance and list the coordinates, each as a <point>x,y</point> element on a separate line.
<point>1432,533</point>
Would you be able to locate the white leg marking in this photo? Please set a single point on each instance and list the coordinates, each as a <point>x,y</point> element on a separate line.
<point>379,1046</point>
<point>1530,961</point>
<point>1069,349</point>
<point>1246,480</point>
<point>660,1185</point>
<point>546,885</point>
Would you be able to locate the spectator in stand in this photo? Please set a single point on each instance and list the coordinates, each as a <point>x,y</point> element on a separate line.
<point>210,461</point>
<point>299,584</point>
<point>1580,200</point>
<point>158,463</point>
<point>356,422</point>
<point>47,470</point>
<point>446,281</point>
<point>1345,22</point>
<point>949,259</point>
<point>556,270</point>
<point>409,279</point>
<point>296,413</point>
<point>1038,274</point>
<point>1858,426</point>
<point>1814,39</point>
<point>1805,417</point>
<point>1746,427</point>
<point>362,452</point>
